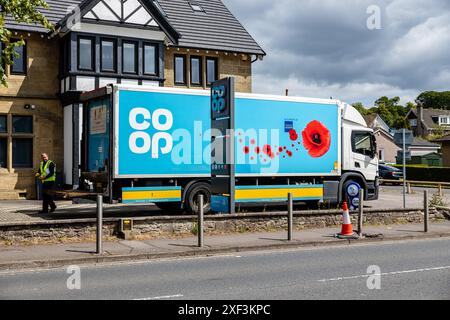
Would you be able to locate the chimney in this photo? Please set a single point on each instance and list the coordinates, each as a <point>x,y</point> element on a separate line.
<point>420,128</point>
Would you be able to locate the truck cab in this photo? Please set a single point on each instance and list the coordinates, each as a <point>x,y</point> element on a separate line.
<point>359,157</point>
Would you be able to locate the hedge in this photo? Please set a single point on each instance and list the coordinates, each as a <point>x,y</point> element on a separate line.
<point>419,173</point>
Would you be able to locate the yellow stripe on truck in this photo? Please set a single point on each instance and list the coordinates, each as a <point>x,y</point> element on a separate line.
<point>148,195</point>
<point>278,193</point>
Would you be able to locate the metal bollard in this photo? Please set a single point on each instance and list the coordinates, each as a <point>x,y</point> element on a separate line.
<point>200,221</point>
<point>426,211</point>
<point>290,217</point>
<point>99,224</point>
<point>360,212</point>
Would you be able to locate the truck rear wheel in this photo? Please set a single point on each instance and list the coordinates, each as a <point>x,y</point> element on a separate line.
<point>191,204</point>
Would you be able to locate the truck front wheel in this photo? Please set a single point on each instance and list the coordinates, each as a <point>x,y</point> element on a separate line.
<point>351,194</point>
<point>192,205</point>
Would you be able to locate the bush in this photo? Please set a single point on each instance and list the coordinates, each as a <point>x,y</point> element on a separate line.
<point>420,173</point>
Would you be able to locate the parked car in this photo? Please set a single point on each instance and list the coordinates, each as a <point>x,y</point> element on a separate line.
<point>390,173</point>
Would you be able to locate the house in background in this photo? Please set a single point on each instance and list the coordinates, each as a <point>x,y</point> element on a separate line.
<point>171,43</point>
<point>424,122</point>
<point>424,152</point>
<point>387,149</point>
<point>445,148</point>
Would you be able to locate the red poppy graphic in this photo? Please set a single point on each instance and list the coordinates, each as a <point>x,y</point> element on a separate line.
<point>293,135</point>
<point>316,139</point>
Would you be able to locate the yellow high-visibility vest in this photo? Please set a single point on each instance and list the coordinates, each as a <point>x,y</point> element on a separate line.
<point>45,171</point>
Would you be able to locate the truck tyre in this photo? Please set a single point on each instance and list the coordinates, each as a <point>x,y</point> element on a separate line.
<point>351,194</point>
<point>194,191</point>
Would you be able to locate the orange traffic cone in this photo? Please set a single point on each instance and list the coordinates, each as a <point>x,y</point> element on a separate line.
<point>347,228</point>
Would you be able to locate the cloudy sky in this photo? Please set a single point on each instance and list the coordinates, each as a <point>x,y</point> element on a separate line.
<point>324,48</point>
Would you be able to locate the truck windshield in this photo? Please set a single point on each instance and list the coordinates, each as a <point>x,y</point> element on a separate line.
<point>364,143</point>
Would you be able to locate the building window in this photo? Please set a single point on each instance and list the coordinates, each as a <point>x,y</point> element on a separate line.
<point>19,66</point>
<point>444,120</point>
<point>21,136</point>
<point>130,57</point>
<point>3,140</point>
<point>86,54</point>
<point>150,59</point>
<point>108,55</point>
<point>3,124</point>
<point>196,7</point>
<point>3,145</point>
<point>211,70</point>
<point>22,124</point>
<point>180,70</point>
<point>196,71</point>
<point>22,149</point>
<point>413,122</point>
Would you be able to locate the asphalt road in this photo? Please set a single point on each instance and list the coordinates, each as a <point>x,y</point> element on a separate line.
<point>409,270</point>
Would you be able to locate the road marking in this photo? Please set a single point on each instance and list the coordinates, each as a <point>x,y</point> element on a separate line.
<point>160,298</point>
<point>88,266</point>
<point>386,274</point>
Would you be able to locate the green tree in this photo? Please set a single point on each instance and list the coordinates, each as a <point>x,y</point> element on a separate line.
<point>434,100</point>
<point>392,112</point>
<point>360,107</point>
<point>22,11</point>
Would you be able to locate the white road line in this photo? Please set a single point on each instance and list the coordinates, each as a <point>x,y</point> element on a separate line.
<point>160,298</point>
<point>386,274</point>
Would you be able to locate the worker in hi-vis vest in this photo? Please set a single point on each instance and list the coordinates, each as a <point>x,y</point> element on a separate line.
<point>47,174</point>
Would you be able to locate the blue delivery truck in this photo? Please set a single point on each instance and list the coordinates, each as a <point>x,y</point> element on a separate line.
<point>153,145</point>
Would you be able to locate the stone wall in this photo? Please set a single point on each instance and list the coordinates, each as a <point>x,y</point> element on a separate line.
<point>39,87</point>
<point>171,227</point>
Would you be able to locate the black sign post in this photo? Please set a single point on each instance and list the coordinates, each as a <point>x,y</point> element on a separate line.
<point>223,145</point>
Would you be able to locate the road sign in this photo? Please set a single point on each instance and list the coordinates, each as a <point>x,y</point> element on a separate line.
<point>222,146</point>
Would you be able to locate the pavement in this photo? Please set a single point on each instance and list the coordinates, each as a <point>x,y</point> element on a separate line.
<point>26,211</point>
<point>413,270</point>
<point>57,255</point>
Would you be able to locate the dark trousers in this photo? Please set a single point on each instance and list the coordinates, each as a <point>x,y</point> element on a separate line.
<point>47,196</point>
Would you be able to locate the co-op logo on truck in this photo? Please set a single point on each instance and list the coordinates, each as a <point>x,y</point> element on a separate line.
<point>140,142</point>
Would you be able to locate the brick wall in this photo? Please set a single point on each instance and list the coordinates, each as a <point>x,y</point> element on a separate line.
<point>230,64</point>
<point>39,87</point>
<point>389,147</point>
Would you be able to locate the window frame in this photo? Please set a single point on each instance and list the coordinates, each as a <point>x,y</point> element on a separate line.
<point>114,42</point>
<point>136,56</point>
<point>216,69</point>
<point>200,58</point>
<point>93,53</point>
<point>24,61</point>
<point>156,47</point>
<point>373,144</point>
<point>184,83</point>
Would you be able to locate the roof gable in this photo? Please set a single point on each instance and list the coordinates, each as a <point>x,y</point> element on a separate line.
<point>121,11</point>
